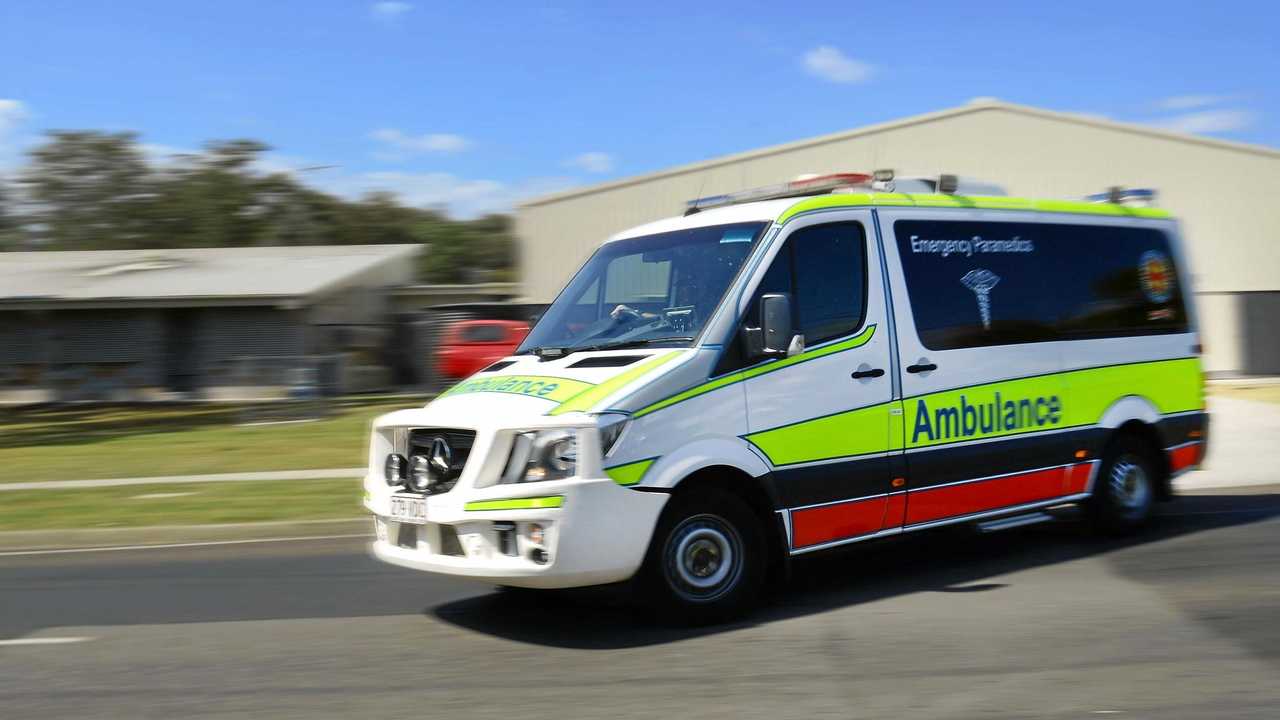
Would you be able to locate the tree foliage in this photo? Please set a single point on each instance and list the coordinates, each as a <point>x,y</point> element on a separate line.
<point>92,190</point>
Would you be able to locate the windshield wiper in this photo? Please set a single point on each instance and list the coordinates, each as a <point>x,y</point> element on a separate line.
<point>623,344</point>
<point>555,352</point>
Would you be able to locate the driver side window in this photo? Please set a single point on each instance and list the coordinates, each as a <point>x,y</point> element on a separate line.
<point>824,269</point>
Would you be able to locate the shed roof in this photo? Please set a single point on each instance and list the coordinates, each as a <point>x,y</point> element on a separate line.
<point>271,274</point>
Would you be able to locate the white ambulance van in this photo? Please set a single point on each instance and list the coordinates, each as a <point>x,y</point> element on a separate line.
<point>791,369</point>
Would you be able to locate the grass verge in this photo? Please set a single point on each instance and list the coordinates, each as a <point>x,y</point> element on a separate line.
<point>136,441</point>
<point>187,504</point>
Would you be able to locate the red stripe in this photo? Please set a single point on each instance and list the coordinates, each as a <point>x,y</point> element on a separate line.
<point>895,510</point>
<point>954,500</point>
<point>1184,457</point>
<point>1076,479</point>
<point>812,526</point>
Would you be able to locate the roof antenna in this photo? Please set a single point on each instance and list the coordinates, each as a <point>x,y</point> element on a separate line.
<point>702,185</point>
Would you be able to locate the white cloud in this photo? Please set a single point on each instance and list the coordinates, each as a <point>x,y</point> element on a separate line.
<point>165,155</point>
<point>389,9</point>
<point>591,162</point>
<point>269,163</point>
<point>1191,102</point>
<point>1209,121</point>
<point>12,114</point>
<point>400,145</point>
<point>460,197</point>
<point>830,64</point>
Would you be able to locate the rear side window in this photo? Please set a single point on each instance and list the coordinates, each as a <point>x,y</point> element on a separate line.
<point>975,284</point>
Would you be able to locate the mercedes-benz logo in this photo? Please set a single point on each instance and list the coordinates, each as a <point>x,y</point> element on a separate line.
<point>441,458</point>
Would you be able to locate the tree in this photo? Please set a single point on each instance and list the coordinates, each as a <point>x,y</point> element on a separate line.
<point>90,189</point>
<point>215,200</point>
<point>465,252</point>
<point>9,239</point>
<point>95,190</point>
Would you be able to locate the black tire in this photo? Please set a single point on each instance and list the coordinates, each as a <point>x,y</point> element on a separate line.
<point>1124,492</point>
<point>706,562</point>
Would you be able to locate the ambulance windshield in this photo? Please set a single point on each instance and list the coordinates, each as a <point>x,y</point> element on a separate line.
<point>655,290</point>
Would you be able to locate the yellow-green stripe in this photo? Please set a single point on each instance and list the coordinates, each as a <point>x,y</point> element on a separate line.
<point>856,432</point>
<point>1171,385</point>
<point>588,398</point>
<point>555,389</point>
<point>825,202</point>
<point>856,341</point>
<point>529,503</point>
<point>630,473</point>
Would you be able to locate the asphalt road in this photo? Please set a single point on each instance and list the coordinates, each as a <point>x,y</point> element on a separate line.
<point>1183,621</point>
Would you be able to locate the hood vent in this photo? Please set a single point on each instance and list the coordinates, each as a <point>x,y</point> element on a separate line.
<point>499,365</point>
<point>600,361</point>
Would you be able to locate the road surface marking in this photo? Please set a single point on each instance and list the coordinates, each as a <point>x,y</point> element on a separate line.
<point>43,641</point>
<point>118,548</point>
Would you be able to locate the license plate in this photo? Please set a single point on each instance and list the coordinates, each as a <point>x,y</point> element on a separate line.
<point>409,509</point>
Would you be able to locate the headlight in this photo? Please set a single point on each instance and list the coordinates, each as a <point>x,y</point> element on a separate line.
<point>610,428</point>
<point>542,455</point>
<point>393,470</point>
<point>420,477</point>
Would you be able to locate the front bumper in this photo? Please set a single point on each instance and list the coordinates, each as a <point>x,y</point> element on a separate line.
<point>596,532</point>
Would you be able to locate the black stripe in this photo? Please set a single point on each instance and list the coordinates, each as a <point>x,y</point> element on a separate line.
<point>1007,455</point>
<point>848,480</point>
<point>1177,430</point>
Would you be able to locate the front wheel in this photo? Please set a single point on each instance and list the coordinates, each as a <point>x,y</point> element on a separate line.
<point>706,560</point>
<point>1125,489</point>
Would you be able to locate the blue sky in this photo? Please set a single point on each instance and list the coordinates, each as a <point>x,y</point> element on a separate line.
<point>473,105</point>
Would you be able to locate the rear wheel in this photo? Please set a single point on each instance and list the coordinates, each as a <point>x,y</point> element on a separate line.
<point>1124,491</point>
<point>706,560</point>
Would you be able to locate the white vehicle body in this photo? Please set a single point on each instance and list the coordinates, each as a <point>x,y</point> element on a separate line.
<point>834,452</point>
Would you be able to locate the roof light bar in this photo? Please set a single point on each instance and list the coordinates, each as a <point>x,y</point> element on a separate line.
<point>809,185</point>
<point>1119,196</point>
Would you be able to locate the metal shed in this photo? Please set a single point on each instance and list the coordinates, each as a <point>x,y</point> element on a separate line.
<point>121,324</point>
<point>1219,190</point>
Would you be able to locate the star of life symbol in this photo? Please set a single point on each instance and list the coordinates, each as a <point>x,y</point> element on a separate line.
<point>981,281</point>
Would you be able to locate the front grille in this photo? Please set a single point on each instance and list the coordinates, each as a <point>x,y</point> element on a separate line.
<point>459,443</point>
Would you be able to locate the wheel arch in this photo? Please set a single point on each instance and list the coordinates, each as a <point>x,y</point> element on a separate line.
<point>1127,409</point>
<point>757,493</point>
<point>1149,435</point>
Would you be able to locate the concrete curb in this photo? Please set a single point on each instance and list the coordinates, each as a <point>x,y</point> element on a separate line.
<point>22,540</point>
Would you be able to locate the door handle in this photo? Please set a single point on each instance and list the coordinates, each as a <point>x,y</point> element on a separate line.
<point>922,367</point>
<point>860,374</point>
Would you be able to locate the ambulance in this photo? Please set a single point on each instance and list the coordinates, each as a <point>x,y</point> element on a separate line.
<point>790,369</point>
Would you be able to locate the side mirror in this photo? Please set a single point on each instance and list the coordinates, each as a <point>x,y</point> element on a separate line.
<point>774,337</point>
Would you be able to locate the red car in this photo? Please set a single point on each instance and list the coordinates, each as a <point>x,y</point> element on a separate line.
<point>470,345</point>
